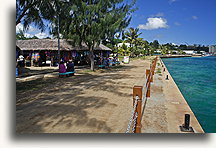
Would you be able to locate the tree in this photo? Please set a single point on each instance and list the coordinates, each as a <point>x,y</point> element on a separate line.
<point>112,44</point>
<point>36,11</point>
<point>20,35</point>
<point>151,49</point>
<point>155,44</point>
<point>183,47</point>
<point>145,45</point>
<point>132,37</point>
<point>165,49</point>
<point>92,21</point>
<point>124,50</point>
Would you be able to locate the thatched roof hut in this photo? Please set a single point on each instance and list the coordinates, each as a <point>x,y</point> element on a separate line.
<point>52,44</point>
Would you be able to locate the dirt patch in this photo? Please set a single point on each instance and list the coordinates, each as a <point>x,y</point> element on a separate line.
<point>91,102</point>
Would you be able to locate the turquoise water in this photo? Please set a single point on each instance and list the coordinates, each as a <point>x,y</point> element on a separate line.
<point>195,77</point>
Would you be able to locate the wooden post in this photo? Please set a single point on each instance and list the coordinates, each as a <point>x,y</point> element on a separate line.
<point>151,79</point>
<point>152,69</point>
<point>137,91</point>
<point>148,89</point>
<point>147,73</point>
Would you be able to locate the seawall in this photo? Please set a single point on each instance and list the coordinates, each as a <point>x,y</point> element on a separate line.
<point>174,56</point>
<point>166,108</point>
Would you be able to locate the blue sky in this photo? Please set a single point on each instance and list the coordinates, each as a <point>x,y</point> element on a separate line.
<point>176,21</point>
<point>170,21</point>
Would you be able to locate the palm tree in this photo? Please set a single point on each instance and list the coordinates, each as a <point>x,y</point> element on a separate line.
<point>145,46</point>
<point>35,11</point>
<point>124,50</point>
<point>132,37</point>
<point>165,49</point>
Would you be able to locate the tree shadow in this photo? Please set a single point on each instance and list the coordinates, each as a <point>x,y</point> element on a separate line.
<point>62,112</point>
<point>27,71</point>
<point>61,105</point>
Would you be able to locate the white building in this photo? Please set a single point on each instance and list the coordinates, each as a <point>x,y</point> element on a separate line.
<point>190,52</point>
<point>212,49</point>
<point>120,44</point>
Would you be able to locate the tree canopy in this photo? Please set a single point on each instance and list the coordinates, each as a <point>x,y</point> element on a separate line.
<point>34,11</point>
<point>93,21</point>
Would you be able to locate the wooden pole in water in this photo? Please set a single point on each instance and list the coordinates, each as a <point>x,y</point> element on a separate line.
<point>137,91</point>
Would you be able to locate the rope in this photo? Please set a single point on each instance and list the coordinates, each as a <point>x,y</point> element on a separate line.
<point>134,123</point>
<point>132,115</point>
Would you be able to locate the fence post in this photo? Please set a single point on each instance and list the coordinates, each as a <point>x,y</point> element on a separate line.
<point>151,76</point>
<point>148,88</point>
<point>137,91</point>
<point>147,72</point>
<point>152,72</point>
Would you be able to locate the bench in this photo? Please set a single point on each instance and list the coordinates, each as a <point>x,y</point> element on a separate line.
<point>117,63</point>
<point>67,73</point>
<point>114,63</point>
<point>101,66</point>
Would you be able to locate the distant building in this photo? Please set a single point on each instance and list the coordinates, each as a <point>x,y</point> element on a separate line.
<point>158,51</point>
<point>212,49</point>
<point>190,52</point>
<point>120,44</point>
<point>203,52</point>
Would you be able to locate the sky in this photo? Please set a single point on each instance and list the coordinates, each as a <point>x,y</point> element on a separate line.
<point>176,21</point>
<point>168,21</point>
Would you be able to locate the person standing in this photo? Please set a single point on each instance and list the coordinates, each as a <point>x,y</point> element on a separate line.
<point>70,67</point>
<point>21,61</point>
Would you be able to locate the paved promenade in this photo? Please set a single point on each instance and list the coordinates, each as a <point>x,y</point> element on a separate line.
<point>166,107</point>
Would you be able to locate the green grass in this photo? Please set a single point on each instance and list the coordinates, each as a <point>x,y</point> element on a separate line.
<point>158,71</point>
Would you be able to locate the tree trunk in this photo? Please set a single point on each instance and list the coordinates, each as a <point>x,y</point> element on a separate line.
<point>91,57</point>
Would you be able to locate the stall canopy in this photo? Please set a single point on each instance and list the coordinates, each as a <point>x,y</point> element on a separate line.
<point>52,44</point>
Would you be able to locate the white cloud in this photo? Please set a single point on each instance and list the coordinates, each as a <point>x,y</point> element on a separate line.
<point>194,17</point>
<point>27,35</point>
<point>41,35</point>
<point>19,27</point>
<point>172,1</point>
<point>154,23</point>
<point>177,24</point>
<point>159,14</point>
<point>30,29</point>
<point>158,36</point>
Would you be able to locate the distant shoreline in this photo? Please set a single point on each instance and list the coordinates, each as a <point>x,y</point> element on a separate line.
<point>179,56</point>
<point>174,56</point>
<point>182,56</point>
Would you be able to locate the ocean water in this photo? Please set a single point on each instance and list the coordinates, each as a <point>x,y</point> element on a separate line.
<point>195,77</point>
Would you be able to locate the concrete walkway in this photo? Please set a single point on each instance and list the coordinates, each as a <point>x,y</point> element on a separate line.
<point>166,107</point>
